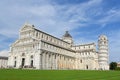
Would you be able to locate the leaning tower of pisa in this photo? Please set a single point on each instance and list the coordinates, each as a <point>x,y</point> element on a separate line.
<point>103,57</point>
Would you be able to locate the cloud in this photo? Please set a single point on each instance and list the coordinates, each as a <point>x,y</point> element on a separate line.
<point>47,15</point>
<point>4,53</point>
<point>112,15</point>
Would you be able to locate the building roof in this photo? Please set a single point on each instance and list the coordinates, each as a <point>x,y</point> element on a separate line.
<point>30,25</point>
<point>3,57</point>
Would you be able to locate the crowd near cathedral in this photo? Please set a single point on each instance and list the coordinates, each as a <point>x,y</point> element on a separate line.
<point>36,49</point>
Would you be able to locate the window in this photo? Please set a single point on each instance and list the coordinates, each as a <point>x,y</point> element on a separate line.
<point>49,55</point>
<point>23,62</point>
<point>84,46</point>
<point>33,46</point>
<point>47,38</point>
<point>89,53</point>
<point>23,54</point>
<point>42,35</point>
<point>31,56</point>
<point>89,46</point>
<point>60,56</point>
<point>15,64</point>
<point>80,61</point>
<point>105,42</point>
<point>55,56</point>
<point>51,39</point>
<point>104,39</point>
<point>14,57</point>
<point>31,64</point>
<point>36,34</point>
<point>86,66</point>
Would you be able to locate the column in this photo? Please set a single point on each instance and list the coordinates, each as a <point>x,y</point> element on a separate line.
<point>58,61</point>
<point>49,60</point>
<point>43,60</point>
<point>55,59</point>
<point>47,55</point>
<point>62,62</point>
<point>52,63</point>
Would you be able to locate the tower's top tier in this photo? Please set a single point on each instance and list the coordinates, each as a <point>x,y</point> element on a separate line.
<point>103,37</point>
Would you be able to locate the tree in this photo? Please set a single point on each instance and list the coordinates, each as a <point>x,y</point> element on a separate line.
<point>113,66</point>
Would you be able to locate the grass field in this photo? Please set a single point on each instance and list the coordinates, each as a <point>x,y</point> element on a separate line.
<point>58,75</point>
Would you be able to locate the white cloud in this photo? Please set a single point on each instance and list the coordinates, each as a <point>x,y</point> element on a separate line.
<point>46,15</point>
<point>4,53</point>
<point>112,15</point>
<point>43,11</point>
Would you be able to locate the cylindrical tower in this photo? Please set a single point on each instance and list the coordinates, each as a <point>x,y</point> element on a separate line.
<point>103,57</point>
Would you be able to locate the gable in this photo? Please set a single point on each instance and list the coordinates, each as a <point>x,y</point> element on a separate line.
<point>27,27</point>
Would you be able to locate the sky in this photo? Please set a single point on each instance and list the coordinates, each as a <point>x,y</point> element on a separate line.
<point>85,20</point>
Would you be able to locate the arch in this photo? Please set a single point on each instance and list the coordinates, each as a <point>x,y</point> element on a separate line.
<point>15,64</point>
<point>87,67</point>
<point>81,61</point>
<point>23,62</point>
<point>31,64</point>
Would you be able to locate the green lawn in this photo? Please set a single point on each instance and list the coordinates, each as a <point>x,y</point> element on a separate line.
<point>58,75</point>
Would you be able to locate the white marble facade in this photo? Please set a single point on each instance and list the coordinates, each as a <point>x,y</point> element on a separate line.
<point>39,50</point>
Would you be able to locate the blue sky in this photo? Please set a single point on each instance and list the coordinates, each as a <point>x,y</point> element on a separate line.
<point>86,20</point>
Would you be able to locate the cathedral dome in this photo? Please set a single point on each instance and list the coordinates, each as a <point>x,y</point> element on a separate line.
<point>67,35</point>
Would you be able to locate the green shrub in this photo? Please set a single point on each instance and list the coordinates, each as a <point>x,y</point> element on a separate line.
<point>118,68</point>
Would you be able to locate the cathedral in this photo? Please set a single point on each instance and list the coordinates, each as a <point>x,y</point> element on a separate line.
<point>35,49</point>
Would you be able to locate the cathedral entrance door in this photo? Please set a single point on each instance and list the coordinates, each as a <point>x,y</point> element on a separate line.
<point>23,62</point>
<point>31,63</point>
<point>86,66</point>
